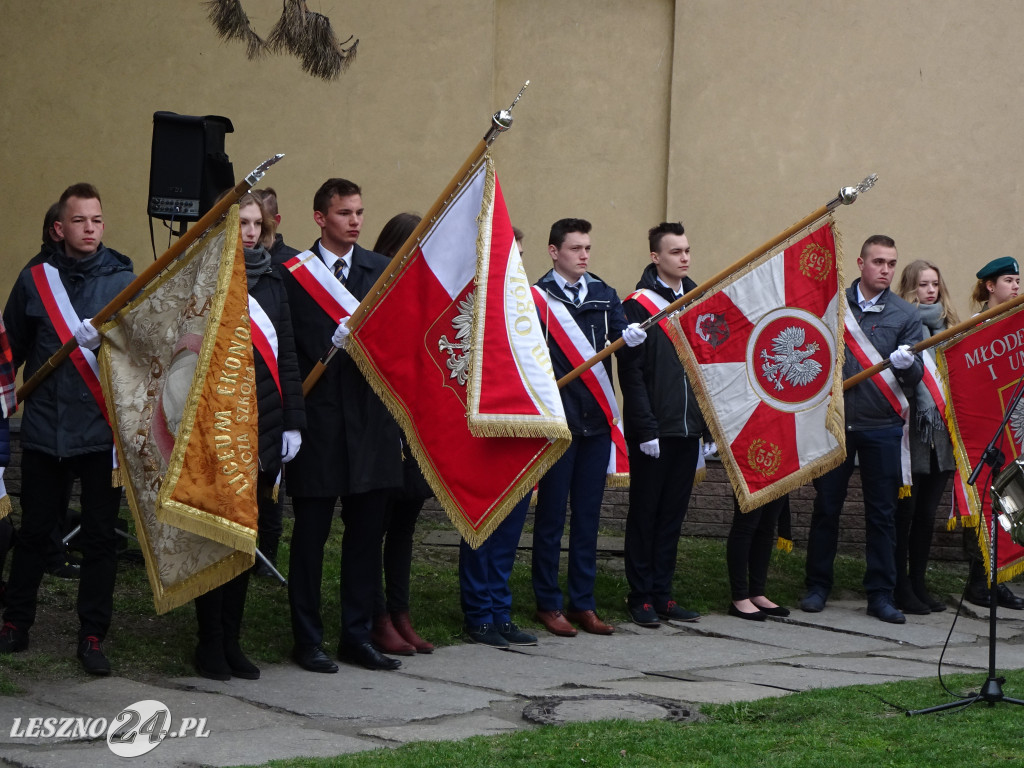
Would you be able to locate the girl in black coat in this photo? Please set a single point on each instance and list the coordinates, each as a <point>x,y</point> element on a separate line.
<point>281,417</point>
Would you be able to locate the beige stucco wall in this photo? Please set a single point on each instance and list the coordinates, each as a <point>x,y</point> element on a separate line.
<point>736,116</point>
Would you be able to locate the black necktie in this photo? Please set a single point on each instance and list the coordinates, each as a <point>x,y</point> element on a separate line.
<point>339,271</point>
<point>573,292</point>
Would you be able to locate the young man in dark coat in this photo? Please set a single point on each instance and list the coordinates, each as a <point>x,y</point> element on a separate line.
<point>64,431</point>
<point>874,431</point>
<point>578,478</point>
<point>663,426</point>
<point>351,449</point>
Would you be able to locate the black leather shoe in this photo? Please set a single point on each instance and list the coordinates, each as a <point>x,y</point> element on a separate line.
<point>365,655</point>
<point>1007,599</point>
<point>313,659</point>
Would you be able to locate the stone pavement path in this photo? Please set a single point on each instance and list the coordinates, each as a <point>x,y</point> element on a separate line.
<point>467,690</point>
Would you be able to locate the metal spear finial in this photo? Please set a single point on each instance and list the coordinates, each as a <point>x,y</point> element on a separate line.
<point>848,195</point>
<point>501,121</point>
<point>261,169</point>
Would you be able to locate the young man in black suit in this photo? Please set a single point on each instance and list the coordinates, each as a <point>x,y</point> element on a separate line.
<point>351,449</point>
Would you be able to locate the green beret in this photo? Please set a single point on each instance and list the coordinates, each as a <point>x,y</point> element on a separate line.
<point>1004,266</point>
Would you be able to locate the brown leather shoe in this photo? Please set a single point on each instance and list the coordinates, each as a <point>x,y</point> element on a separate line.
<point>555,623</point>
<point>387,640</point>
<point>590,622</point>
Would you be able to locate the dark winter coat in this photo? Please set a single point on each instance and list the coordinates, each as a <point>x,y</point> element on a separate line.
<point>62,418</point>
<point>351,443</point>
<point>284,410</point>
<point>890,323</point>
<point>657,400</point>
<point>601,319</point>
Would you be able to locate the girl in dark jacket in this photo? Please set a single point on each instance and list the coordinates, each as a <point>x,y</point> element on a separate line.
<point>281,417</point>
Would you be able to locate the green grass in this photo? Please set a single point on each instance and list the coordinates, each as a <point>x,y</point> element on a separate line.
<point>839,727</point>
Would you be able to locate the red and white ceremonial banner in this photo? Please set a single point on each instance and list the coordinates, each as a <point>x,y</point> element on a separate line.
<point>981,368</point>
<point>763,351</point>
<point>453,346</point>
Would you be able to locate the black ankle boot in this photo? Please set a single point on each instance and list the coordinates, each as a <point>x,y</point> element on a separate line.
<point>238,662</point>
<point>907,601</point>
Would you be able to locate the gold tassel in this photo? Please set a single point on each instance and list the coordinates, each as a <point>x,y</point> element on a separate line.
<point>273,493</point>
<point>905,491</point>
<point>5,507</point>
<point>116,478</point>
<point>784,545</point>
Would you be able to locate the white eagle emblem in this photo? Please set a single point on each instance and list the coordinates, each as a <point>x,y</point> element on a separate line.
<point>788,362</point>
<point>458,350</point>
<point>1017,425</point>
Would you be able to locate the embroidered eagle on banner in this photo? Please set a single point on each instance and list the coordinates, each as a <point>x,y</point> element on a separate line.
<point>788,362</point>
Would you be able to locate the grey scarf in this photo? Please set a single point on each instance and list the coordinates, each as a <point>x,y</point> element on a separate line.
<point>257,263</point>
<point>929,420</point>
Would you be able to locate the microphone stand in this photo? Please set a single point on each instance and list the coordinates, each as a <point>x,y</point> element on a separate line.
<point>992,690</point>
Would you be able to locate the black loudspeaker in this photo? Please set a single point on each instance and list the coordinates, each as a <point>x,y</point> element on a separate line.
<point>188,167</point>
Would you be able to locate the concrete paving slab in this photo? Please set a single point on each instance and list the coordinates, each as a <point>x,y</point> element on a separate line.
<point>719,692</point>
<point>360,694</point>
<point>794,678</point>
<point>872,665</point>
<point>21,709</point>
<point>527,671</point>
<point>224,709</point>
<point>851,617</point>
<point>449,729</point>
<point>793,636</point>
<point>229,750</point>
<point>655,651</point>
<point>969,657</point>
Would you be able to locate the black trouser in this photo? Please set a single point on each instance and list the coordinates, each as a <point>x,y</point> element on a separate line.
<point>915,521</point>
<point>364,516</point>
<point>43,502</point>
<point>748,550</point>
<point>393,594</point>
<point>659,493</point>
<point>219,611</point>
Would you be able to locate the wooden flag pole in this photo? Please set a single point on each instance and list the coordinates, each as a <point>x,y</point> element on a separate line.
<point>938,338</point>
<point>846,196</point>
<point>501,121</point>
<point>193,233</point>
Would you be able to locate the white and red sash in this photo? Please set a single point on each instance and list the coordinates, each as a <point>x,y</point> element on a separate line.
<point>570,339</point>
<point>322,286</point>
<point>932,379</point>
<point>654,303</point>
<point>65,319</point>
<point>264,340</point>
<point>866,354</point>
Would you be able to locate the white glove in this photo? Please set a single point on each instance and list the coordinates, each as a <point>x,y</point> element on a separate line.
<point>340,337</point>
<point>651,448</point>
<point>902,358</point>
<point>87,336</point>
<point>291,441</point>
<point>710,448</point>
<point>633,335</point>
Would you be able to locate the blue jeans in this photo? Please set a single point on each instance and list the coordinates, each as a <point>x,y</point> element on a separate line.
<point>578,479</point>
<point>881,477</point>
<point>484,572</point>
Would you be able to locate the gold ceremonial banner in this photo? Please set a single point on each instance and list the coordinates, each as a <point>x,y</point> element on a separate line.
<point>177,370</point>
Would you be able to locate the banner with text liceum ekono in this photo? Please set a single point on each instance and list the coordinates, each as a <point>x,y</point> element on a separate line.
<point>178,375</point>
